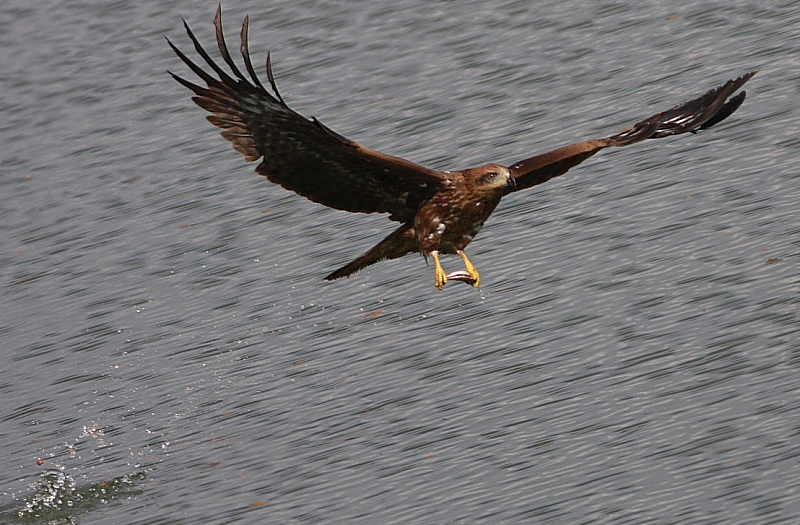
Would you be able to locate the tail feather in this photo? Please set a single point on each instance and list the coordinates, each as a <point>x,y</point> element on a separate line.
<point>397,244</point>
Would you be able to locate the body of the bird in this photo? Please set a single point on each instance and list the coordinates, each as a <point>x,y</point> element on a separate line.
<point>456,213</point>
<point>449,221</point>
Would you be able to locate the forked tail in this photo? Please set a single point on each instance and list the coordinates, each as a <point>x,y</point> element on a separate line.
<point>398,243</point>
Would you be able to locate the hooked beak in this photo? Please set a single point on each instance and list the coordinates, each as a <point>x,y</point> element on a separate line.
<point>511,185</point>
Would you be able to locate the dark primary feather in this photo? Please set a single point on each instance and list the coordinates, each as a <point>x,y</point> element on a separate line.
<point>700,113</point>
<point>302,155</point>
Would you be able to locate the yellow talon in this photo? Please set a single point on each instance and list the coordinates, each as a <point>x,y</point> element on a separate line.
<point>439,278</point>
<point>470,269</point>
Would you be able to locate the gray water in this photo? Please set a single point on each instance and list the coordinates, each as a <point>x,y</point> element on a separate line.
<point>633,354</point>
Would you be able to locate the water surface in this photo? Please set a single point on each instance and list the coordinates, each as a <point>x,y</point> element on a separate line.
<point>632,356</point>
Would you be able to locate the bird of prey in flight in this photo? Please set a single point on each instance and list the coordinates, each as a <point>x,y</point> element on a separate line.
<point>439,212</point>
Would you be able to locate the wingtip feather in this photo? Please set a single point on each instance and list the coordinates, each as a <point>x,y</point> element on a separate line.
<point>271,78</point>
<point>244,48</point>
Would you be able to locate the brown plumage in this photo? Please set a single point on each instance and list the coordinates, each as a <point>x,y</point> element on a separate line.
<point>439,211</point>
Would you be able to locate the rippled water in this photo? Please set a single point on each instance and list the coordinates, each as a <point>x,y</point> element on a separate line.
<point>632,356</point>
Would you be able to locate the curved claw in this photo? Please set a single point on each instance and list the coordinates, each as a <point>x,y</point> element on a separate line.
<point>439,277</point>
<point>473,273</point>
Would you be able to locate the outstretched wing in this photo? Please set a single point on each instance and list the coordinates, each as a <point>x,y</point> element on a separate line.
<point>696,114</point>
<point>302,155</point>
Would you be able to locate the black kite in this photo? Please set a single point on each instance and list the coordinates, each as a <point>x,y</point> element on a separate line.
<point>439,211</point>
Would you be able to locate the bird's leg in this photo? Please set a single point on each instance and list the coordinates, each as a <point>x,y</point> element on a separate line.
<point>470,269</point>
<point>439,277</point>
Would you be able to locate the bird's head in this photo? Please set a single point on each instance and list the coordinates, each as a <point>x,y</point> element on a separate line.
<point>493,178</point>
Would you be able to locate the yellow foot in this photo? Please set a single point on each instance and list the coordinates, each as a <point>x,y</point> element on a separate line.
<point>439,277</point>
<point>476,277</point>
